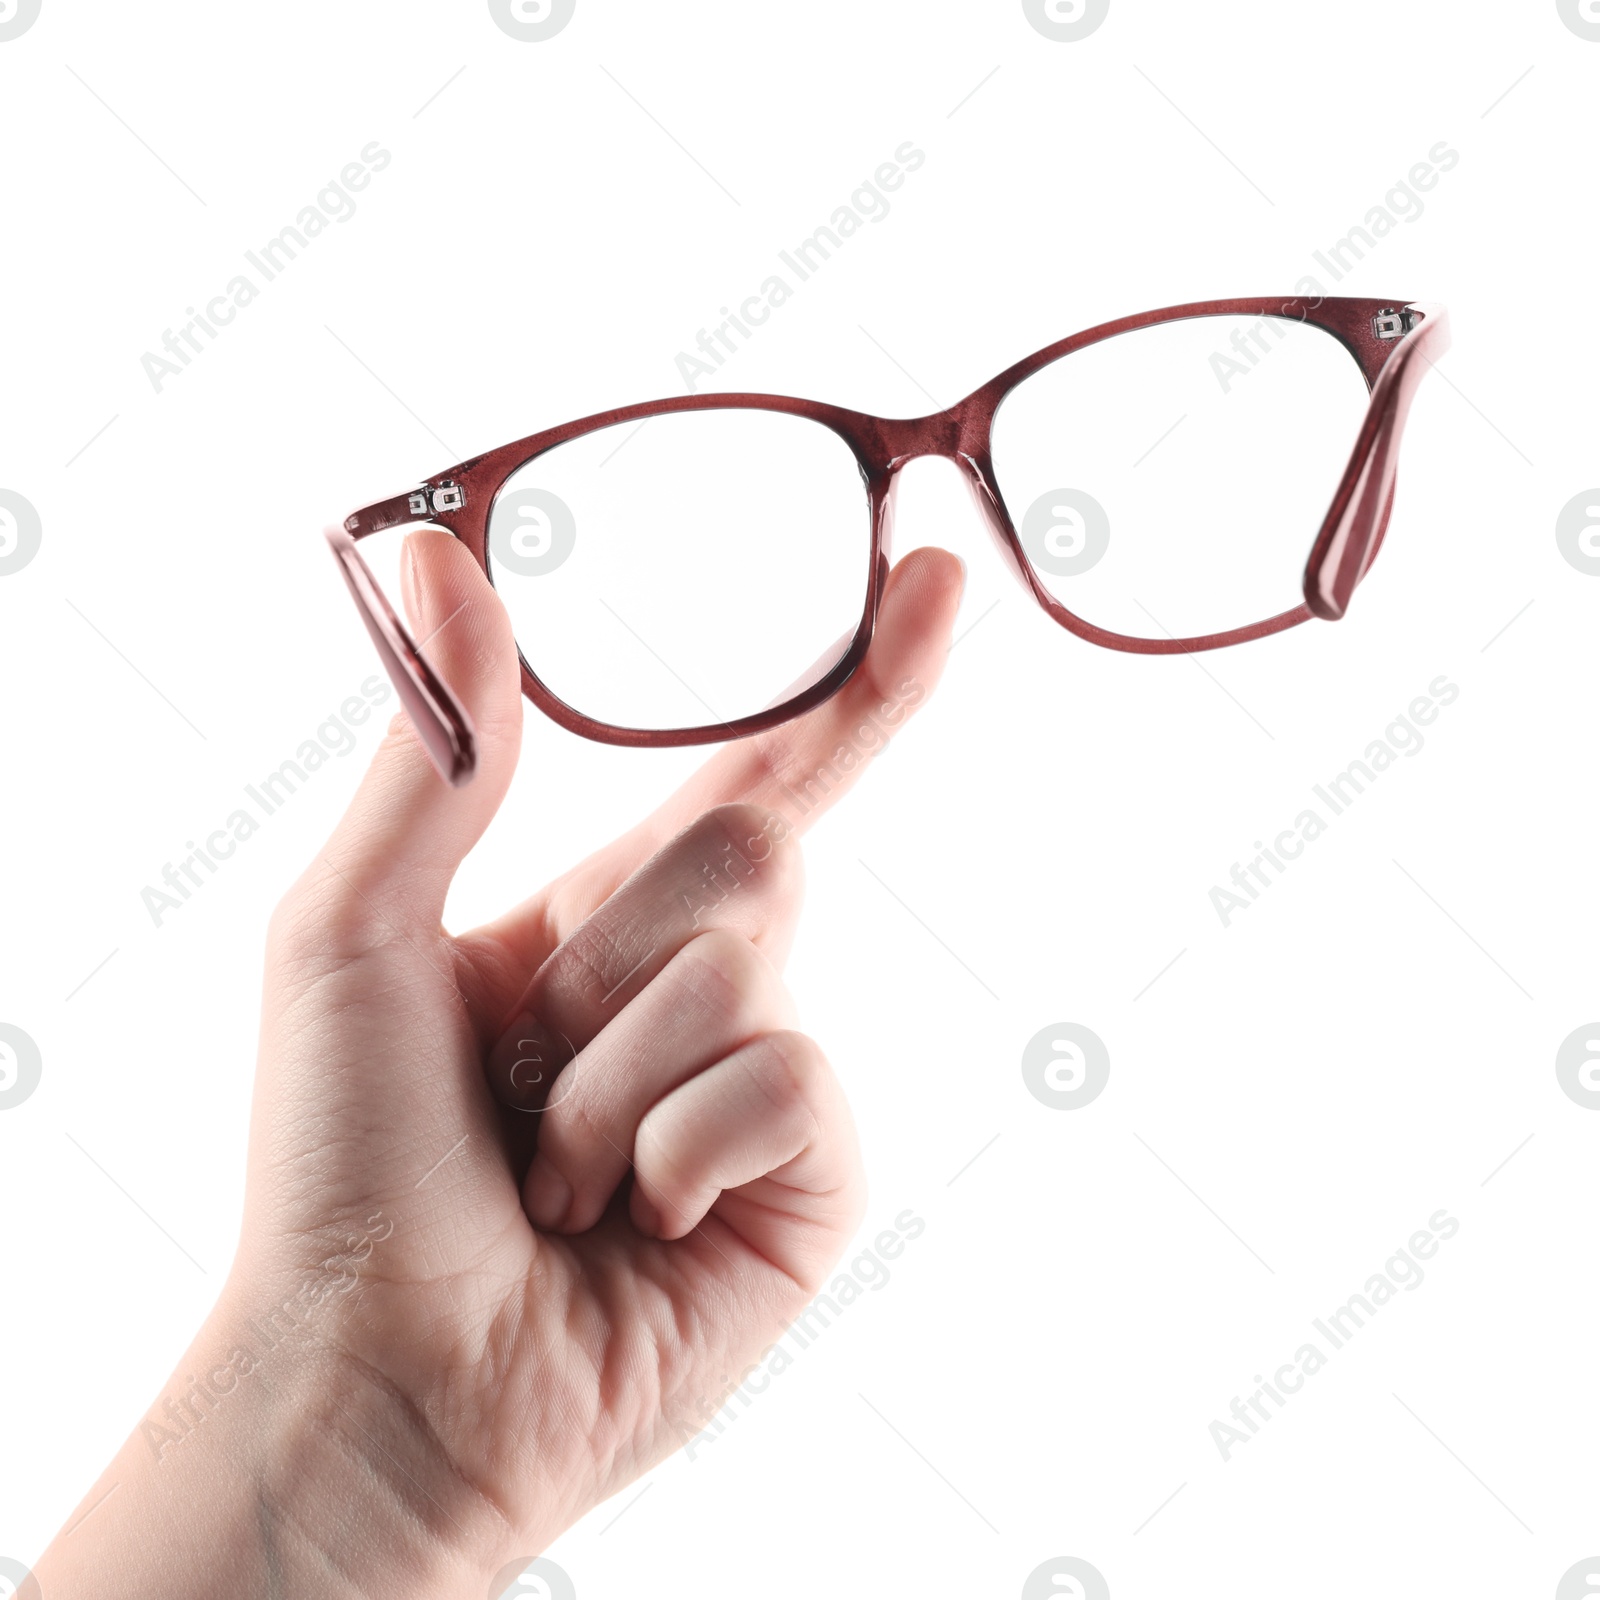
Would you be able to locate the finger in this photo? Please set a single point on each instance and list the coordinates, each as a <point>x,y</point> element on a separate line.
<point>766,1138</point>
<point>730,870</point>
<point>801,769</point>
<point>391,859</point>
<point>796,771</point>
<point>716,994</point>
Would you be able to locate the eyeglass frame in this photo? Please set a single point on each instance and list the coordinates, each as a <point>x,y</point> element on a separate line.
<point>1393,344</point>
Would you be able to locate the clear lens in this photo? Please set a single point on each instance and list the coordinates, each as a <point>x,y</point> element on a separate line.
<point>1169,482</point>
<point>691,569</point>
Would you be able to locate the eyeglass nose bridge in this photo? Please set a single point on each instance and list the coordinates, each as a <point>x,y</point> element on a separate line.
<point>960,435</point>
<point>903,439</point>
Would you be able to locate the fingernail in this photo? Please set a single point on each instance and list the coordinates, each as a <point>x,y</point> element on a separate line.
<point>548,1196</point>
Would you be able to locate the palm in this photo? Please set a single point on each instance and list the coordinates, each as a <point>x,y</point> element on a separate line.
<point>594,1354</point>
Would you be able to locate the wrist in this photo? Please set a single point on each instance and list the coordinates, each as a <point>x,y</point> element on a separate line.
<point>350,1474</point>
<point>275,1460</point>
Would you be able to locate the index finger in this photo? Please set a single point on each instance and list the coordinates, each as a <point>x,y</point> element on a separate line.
<point>801,769</point>
<point>795,772</point>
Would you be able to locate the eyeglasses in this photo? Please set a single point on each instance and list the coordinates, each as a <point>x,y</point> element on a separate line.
<point>696,569</point>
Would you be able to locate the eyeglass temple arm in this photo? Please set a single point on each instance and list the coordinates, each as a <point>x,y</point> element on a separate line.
<point>1355,523</point>
<point>425,503</point>
<point>441,721</point>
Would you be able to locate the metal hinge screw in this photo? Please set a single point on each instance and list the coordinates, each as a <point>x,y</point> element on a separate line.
<point>447,495</point>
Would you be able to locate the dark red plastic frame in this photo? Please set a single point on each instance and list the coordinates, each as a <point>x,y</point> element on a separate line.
<point>1393,343</point>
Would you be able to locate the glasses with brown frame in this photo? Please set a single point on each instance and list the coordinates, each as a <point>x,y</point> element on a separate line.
<point>697,569</point>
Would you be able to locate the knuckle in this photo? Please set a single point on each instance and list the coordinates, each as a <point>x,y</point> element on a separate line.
<point>286,925</point>
<point>736,819</point>
<point>799,1056</point>
<point>399,746</point>
<point>727,977</point>
<point>744,843</point>
<point>319,918</point>
<point>652,1142</point>
<point>592,961</point>
<point>793,1069</point>
<point>674,1171</point>
<point>581,1128</point>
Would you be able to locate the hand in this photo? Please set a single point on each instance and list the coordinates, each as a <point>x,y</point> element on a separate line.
<point>518,1199</point>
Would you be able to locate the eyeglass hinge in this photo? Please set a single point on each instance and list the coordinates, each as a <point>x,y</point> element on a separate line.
<point>446,495</point>
<point>1391,324</point>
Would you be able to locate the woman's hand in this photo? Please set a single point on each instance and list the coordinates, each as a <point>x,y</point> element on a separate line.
<point>521,1201</point>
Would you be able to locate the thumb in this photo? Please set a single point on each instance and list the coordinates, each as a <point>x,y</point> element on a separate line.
<point>398,845</point>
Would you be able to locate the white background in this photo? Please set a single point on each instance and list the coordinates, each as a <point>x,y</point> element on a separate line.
<point>1290,1099</point>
